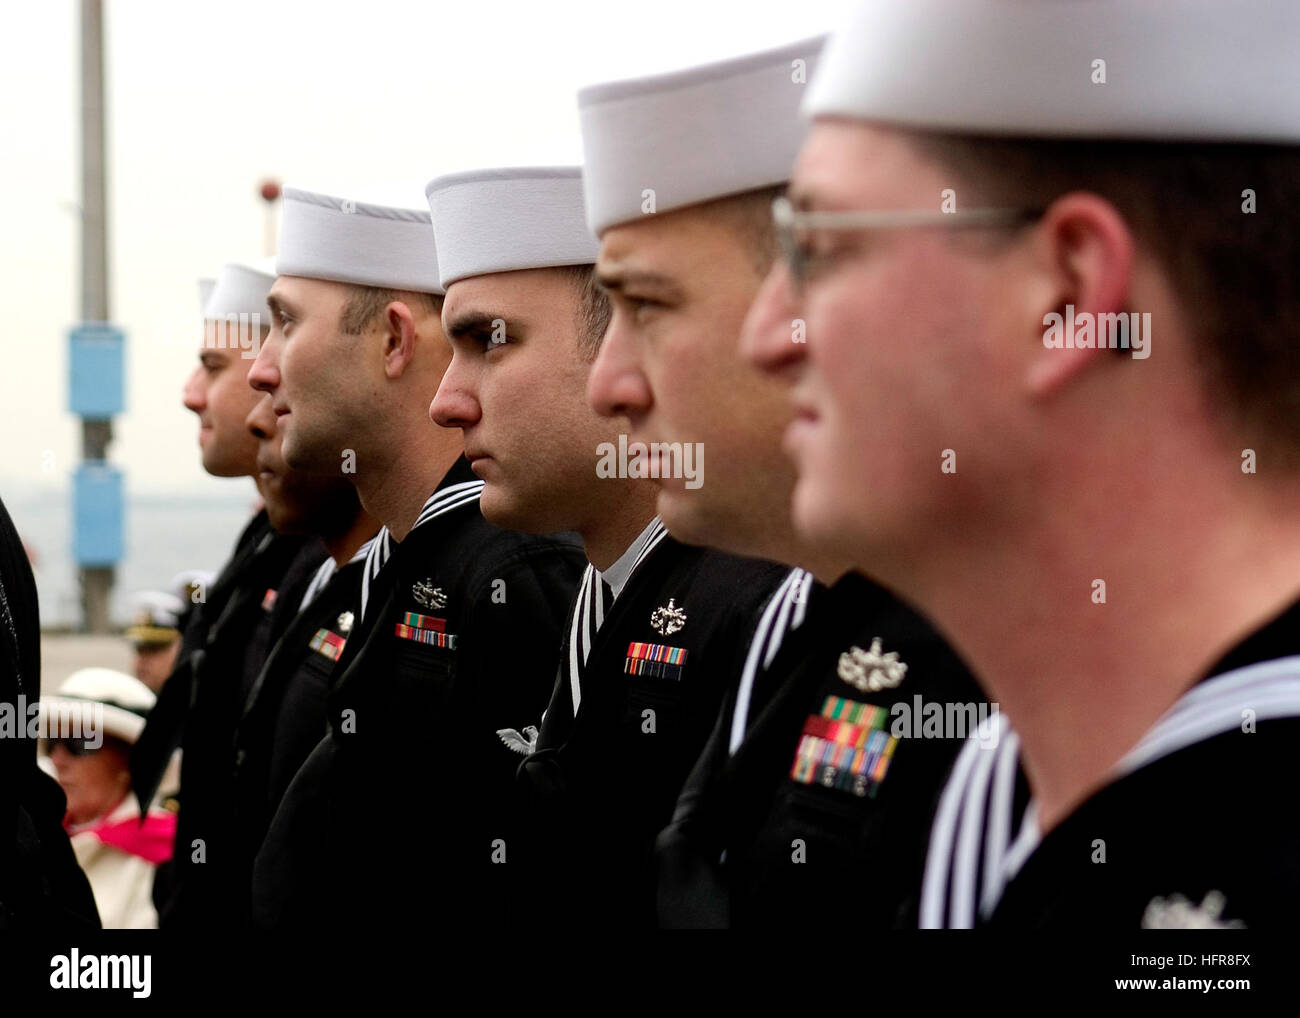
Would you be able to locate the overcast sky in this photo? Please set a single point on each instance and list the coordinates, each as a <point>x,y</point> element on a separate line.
<point>367,100</point>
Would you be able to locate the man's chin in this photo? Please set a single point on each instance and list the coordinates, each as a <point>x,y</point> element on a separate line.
<point>219,466</point>
<point>311,460</point>
<point>753,528</point>
<point>502,509</point>
<point>686,515</point>
<point>284,517</point>
<point>819,524</point>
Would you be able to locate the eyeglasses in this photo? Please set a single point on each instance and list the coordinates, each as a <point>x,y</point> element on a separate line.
<point>75,747</point>
<point>792,225</point>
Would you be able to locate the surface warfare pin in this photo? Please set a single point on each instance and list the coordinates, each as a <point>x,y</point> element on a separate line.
<point>667,619</point>
<point>870,670</point>
<point>427,595</point>
<point>345,623</point>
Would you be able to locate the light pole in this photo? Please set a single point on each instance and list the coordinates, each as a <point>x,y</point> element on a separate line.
<point>95,351</point>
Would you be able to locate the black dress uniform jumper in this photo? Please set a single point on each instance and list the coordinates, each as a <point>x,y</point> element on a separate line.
<point>1197,828</point>
<point>41,885</point>
<point>813,800</point>
<point>620,736</point>
<point>400,812</point>
<point>249,605</point>
<point>283,716</point>
<point>166,725</point>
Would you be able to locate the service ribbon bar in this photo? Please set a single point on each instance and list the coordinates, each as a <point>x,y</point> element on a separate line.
<point>424,622</point>
<point>429,636</point>
<point>845,748</point>
<point>328,644</point>
<point>654,660</point>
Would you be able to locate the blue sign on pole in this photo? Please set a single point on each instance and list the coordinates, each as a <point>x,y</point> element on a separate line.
<point>98,514</point>
<point>95,374</point>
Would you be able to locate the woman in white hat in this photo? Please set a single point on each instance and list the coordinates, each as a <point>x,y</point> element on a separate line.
<point>91,724</point>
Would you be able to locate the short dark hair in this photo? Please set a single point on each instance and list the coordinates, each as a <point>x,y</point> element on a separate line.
<point>750,214</point>
<point>1234,272</point>
<point>365,303</point>
<point>593,312</point>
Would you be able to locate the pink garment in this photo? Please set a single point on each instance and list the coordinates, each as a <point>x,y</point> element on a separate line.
<point>151,841</point>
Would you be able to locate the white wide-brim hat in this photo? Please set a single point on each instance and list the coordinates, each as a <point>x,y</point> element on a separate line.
<point>98,701</point>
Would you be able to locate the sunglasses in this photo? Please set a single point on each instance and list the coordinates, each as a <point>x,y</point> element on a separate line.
<point>793,226</point>
<point>75,747</point>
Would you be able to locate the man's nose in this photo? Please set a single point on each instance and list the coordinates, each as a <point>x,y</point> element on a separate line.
<point>773,336</point>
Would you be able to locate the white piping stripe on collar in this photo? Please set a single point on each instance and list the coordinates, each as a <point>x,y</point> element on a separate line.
<point>767,632</point>
<point>326,573</point>
<point>591,603</point>
<point>969,838</point>
<point>318,581</point>
<point>599,607</point>
<point>376,558</point>
<point>444,501</point>
<point>801,601</point>
<point>657,534</point>
<point>1214,707</point>
<point>586,618</point>
<point>1004,791</point>
<point>782,622</point>
<point>939,859</point>
<point>1211,708</point>
<point>438,501</point>
<point>575,687</point>
<point>1017,855</point>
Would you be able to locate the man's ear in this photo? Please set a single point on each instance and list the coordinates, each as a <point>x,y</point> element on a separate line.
<point>1084,250</point>
<point>399,338</point>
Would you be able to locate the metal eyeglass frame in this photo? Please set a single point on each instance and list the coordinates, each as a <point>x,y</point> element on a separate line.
<point>788,220</point>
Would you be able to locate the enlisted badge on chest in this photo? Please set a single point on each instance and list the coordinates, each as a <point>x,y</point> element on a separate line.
<point>654,660</point>
<point>345,621</point>
<point>426,629</point>
<point>667,619</point>
<point>328,644</point>
<point>427,595</point>
<point>268,599</point>
<point>1178,913</point>
<point>845,747</point>
<point>524,742</point>
<point>871,671</point>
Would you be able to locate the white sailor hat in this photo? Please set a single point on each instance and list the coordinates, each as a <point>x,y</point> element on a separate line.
<point>346,241</point>
<point>206,283</point>
<point>240,289</point>
<point>693,136</point>
<point>501,220</point>
<point>155,618</point>
<point>1198,70</point>
<point>98,700</point>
